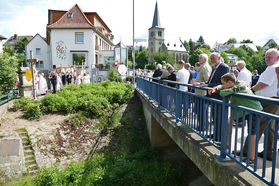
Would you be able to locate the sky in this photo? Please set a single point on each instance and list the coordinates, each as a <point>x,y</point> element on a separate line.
<point>215,20</point>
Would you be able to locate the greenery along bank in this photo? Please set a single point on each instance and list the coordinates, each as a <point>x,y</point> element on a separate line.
<point>94,100</point>
<point>127,160</point>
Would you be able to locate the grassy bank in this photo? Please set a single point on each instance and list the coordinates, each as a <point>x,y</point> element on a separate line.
<point>127,160</point>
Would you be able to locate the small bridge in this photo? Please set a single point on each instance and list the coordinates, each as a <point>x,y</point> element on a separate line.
<point>198,125</point>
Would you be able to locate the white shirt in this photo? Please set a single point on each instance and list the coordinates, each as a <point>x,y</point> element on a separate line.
<point>245,75</point>
<point>183,77</point>
<point>269,77</point>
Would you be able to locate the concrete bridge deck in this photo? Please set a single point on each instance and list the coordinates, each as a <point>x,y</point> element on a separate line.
<point>164,132</point>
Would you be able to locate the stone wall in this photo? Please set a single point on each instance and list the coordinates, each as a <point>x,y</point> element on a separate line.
<point>12,161</point>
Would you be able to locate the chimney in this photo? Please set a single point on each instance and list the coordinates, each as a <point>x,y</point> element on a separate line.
<point>15,36</point>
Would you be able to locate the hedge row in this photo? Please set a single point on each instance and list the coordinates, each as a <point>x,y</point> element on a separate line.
<point>95,100</point>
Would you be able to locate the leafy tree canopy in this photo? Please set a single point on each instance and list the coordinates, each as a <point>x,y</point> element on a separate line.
<point>20,45</point>
<point>160,57</point>
<point>231,41</point>
<point>246,41</point>
<point>224,55</point>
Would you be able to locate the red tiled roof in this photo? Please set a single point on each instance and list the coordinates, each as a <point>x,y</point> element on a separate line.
<point>78,20</point>
<point>2,37</point>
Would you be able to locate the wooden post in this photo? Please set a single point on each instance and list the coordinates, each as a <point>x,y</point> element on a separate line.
<point>32,61</point>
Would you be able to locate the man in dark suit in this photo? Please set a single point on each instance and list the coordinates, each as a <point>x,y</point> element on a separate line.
<point>218,71</point>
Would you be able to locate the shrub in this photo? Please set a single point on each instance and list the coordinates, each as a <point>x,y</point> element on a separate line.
<point>20,103</point>
<point>33,110</point>
<point>76,120</point>
<point>129,78</point>
<point>110,118</point>
<point>113,75</point>
<point>54,103</point>
<point>96,106</point>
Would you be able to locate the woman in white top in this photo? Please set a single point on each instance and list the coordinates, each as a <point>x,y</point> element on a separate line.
<point>59,82</point>
<point>78,79</point>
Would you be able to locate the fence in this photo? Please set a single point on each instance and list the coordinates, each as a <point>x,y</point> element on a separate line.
<point>208,117</point>
<point>10,96</point>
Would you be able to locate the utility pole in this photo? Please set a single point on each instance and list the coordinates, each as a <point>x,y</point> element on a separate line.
<point>133,54</point>
<point>32,61</point>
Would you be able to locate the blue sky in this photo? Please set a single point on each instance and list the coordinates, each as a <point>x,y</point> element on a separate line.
<point>215,20</point>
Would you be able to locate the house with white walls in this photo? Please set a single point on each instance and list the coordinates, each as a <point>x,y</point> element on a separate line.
<point>73,38</point>
<point>1,44</point>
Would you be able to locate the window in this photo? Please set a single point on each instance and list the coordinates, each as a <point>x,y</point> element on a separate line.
<point>159,33</point>
<point>70,15</point>
<point>38,51</point>
<point>79,38</point>
<point>78,59</point>
<point>40,64</point>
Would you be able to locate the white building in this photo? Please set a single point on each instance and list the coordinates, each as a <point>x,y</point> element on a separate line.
<point>1,44</point>
<point>40,50</point>
<point>74,38</point>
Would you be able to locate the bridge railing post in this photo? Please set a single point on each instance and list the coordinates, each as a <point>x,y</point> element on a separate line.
<point>224,130</point>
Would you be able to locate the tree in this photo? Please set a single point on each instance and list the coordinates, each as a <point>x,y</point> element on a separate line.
<point>272,45</point>
<point>192,46</point>
<point>231,41</point>
<point>8,72</point>
<point>159,57</point>
<point>141,58</point>
<point>8,50</point>
<point>201,41</point>
<point>186,45</point>
<point>224,55</point>
<point>20,45</point>
<point>195,57</point>
<point>246,41</point>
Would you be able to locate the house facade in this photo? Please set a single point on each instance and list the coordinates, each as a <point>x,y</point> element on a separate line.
<point>74,39</point>
<point>1,44</point>
<point>11,42</point>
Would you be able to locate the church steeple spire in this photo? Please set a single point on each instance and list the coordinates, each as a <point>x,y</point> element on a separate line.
<point>156,18</point>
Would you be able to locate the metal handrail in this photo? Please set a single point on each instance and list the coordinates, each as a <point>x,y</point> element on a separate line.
<point>198,112</point>
<point>10,96</point>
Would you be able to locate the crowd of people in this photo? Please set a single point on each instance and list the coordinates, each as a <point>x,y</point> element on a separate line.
<point>221,82</point>
<point>55,81</point>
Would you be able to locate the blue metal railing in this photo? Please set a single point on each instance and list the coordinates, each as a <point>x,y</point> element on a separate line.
<point>208,118</point>
<point>10,96</point>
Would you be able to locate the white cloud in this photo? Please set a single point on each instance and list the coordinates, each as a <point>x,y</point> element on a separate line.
<point>215,20</point>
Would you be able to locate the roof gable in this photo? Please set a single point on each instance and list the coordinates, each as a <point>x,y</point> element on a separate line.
<point>37,35</point>
<point>269,41</point>
<point>78,19</point>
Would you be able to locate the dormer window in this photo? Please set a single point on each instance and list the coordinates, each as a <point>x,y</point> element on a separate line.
<point>174,45</point>
<point>168,44</point>
<point>70,15</point>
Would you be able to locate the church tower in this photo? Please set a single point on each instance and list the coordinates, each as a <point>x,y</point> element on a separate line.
<point>155,35</point>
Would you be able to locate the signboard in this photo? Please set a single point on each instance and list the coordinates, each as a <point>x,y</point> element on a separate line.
<point>122,69</point>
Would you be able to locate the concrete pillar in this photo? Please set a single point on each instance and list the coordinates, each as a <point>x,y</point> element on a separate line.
<point>159,137</point>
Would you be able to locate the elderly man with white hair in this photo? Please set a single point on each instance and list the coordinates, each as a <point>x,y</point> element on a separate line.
<point>244,74</point>
<point>218,71</point>
<point>204,72</point>
<point>158,72</point>
<point>267,86</point>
